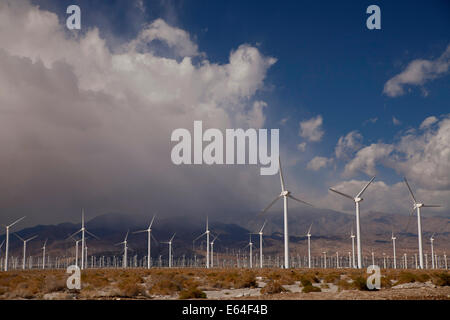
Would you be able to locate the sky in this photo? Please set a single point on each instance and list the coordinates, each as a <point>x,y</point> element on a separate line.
<point>87,115</point>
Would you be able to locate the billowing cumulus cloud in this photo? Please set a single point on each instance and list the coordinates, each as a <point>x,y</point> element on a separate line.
<point>83,124</point>
<point>417,73</point>
<point>348,144</point>
<point>317,163</point>
<point>312,129</point>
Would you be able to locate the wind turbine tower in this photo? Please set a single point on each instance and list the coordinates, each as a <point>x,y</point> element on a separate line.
<point>7,241</point>
<point>24,248</point>
<point>433,263</point>
<point>285,194</point>
<point>83,240</point>
<point>393,246</point>
<point>309,246</point>
<point>149,231</point>
<point>357,199</point>
<point>416,206</point>
<point>207,232</point>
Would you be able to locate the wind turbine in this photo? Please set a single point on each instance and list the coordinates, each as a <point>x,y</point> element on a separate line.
<point>250,244</point>
<point>357,199</point>
<point>260,233</point>
<point>7,241</point>
<point>24,248</point>
<point>433,264</point>
<point>149,231</point>
<point>352,235</point>
<point>207,232</point>
<point>43,254</point>
<point>83,240</point>
<point>285,194</point>
<point>393,246</point>
<point>170,249</point>
<point>416,206</point>
<point>309,245</point>
<point>125,250</point>
<point>212,250</point>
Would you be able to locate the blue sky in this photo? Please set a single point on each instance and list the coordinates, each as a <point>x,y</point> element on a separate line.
<point>328,67</point>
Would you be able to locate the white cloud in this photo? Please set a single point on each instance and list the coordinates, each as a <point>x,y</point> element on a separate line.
<point>366,159</point>
<point>312,129</point>
<point>318,162</point>
<point>175,38</point>
<point>395,121</point>
<point>348,144</point>
<point>422,156</point>
<point>418,72</point>
<point>301,146</point>
<point>83,123</point>
<point>428,122</point>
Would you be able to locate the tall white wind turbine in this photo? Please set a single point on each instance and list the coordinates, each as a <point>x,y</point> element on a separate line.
<point>309,245</point>
<point>357,199</point>
<point>24,248</point>
<point>7,241</point>
<point>433,263</point>
<point>416,206</point>
<point>352,235</point>
<point>393,247</point>
<point>83,240</point>
<point>250,244</point>
<point>43,254</point>
<point>260,233</point>
<point>212,249</point>
<point>170,249</point>
<point>149,231</point>
<point>207,232</point>
<point>285,194</point>
<point>125,250</point>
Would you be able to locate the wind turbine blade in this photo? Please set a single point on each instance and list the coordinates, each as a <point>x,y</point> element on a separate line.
<point>172,237</point>
<point>126,237</point>
<point>140,231</point>
<point>82,217</point>
<point>301,201</point>
<point>151,223</point>
<point>199,236</point>
<point>34,237</point>
<point>342,194</point>
<point>1,245</point>
<point>364,189</point>
<point>410,191</point>
<point>309,230</point>
<point>119,243</point>
<point>407,225</point>
<point>271,204</point>
<point>262,228</point>
<point>281,175</point>
<point>71,236</point>
<point>16,221</point>
<point>18,236</point>
<point>431,205</point>
<point>207,224</point>
<point>45,242</point>
<point>151,234</point>
<point>92,235</point>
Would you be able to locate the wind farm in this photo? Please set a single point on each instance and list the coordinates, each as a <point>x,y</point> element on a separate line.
<point>224,150</point>
<point>274,254</point>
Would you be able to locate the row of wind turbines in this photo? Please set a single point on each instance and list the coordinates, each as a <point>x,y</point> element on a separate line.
<point>285,194</point>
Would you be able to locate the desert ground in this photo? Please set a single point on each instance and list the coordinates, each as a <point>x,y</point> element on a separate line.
<point>197,283</point>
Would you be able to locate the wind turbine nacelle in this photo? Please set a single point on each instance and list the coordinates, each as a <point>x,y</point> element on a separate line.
<point>285,193</point>
<point>418,205</point>
<point>357,199</point>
